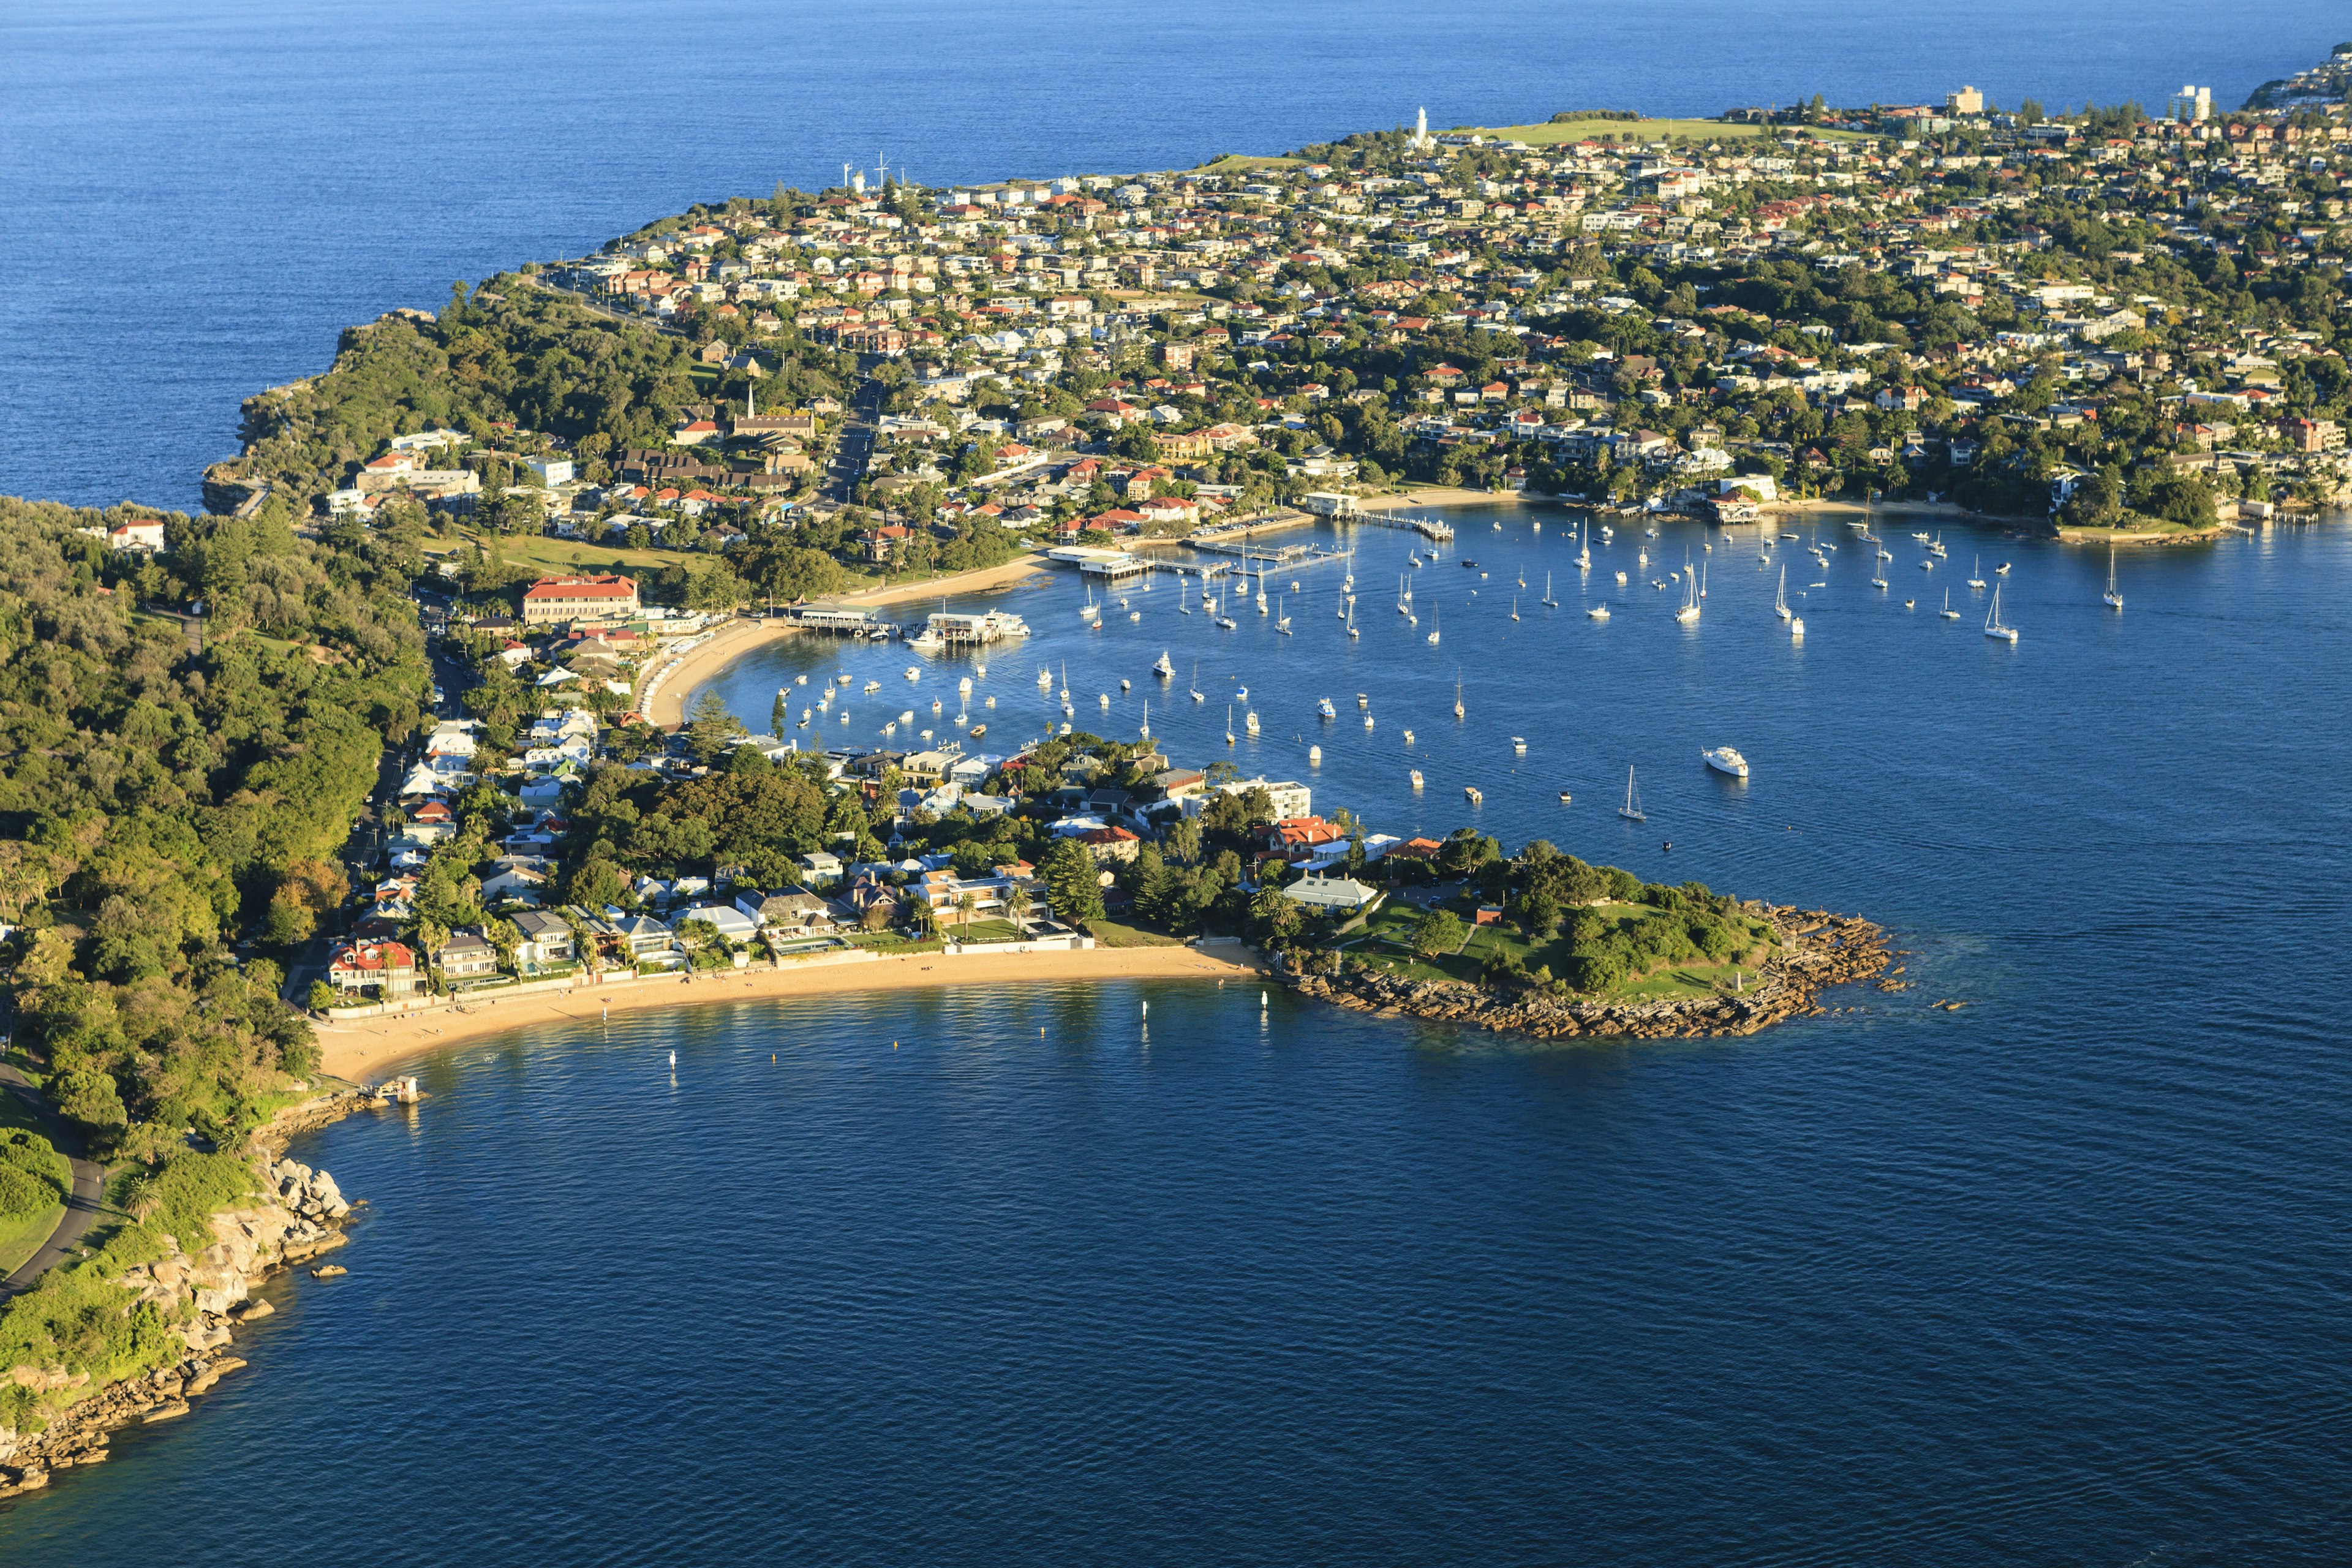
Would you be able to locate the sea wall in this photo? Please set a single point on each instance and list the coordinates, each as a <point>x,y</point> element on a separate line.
<point>1817,950</point>
<point>203,1294</point>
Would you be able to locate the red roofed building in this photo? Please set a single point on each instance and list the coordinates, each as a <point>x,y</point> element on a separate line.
<point>1110,843</point>
<point>554,600</point>
<point>1417,849</point>
<point>388,967</point>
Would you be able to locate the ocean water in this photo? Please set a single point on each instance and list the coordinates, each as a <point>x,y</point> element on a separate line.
<point>972,1277</point>
<point>196,197</point>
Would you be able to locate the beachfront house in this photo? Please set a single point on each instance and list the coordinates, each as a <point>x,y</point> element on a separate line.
<point>733,924</point>
<point>794,909</point>
<point>546,941</point>
<point>467,955</point>
<point>388,968</point>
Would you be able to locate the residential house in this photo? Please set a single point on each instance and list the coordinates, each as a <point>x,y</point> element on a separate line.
<point>387,966</point>
<point>467,955</point>
<point>546,941</point>
<point>1343,895</point>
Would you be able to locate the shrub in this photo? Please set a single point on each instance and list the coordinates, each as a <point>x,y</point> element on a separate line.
<point>22,1193</point>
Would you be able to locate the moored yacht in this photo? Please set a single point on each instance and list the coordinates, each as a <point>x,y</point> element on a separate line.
<point>1725,760</point>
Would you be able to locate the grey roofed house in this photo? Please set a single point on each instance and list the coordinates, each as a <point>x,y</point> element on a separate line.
<point>793,908</point>
<point>468,954</point>
<point>643,934</point>
<point>546,938</point>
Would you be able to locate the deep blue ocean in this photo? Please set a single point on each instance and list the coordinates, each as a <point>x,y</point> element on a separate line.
<point>2058,1276</point>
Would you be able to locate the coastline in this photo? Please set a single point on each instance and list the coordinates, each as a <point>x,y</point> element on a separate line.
<point>662,698</point>
<point>1820,950</point>
<point>1443,495</point>
<point>363,1049</point>
<point>1018,570</point>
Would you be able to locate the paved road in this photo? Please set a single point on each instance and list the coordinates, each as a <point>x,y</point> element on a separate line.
<point>856,444</point>
<point>83,1209</point>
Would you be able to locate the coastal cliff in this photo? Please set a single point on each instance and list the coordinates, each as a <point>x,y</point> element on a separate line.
<point>1816,950</point>
<point>197,1297</point>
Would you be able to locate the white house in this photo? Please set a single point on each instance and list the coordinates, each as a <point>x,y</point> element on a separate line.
<point>1342,894</point>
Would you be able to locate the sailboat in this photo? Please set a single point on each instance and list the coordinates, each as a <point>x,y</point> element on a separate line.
<point>1229,723</point>
<point>1993,628</point>
<point>1948,613</point>
<point>1515,607</point>
<point>1146,731</point>
<point>1689,614</point>
<point>2114,598</point>
<point>1282,621</point>
<point>1432,628</point>
<point>1976,571</point>
<point>1584,549</point>
<point>1352,632</point>
<point>1090,611</point>
<point>1198,695</point>
<point>1632,810</point>
<point>1458,708</point>
<point>1550,602</point>
<point>1781,595</point>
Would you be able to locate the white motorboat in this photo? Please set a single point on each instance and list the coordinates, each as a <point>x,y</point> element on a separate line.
<point>1314,756</point>
<point>1470,793</point>
<point>1518,745</point>
<point>1415,776</point>
<point>1724,760</point>
<point>1326,710</point>
<point>1599,612</point>
<point>1163,667</point>
<point>1249,722</point>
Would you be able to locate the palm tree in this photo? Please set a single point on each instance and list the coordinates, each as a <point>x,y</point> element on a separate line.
<point>967,902</point>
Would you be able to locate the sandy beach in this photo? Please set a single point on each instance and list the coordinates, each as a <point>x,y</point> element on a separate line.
<point>1439,495</point>
<point>1012,572</point>
<point>362,1050</point>
<point>665,707</point>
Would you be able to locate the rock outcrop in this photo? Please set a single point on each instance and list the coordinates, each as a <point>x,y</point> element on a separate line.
<point>1816,951</point>
<point>202,1293</point>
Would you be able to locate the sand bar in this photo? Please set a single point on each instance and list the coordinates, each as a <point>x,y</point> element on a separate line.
<point>362,1050</point>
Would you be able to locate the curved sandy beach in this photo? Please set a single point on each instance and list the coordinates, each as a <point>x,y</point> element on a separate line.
<point>362,1050</point>
<point>663,700</point>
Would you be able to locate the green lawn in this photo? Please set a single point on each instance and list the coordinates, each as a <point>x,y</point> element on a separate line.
<point>1550,134</point>
<point>1111,933</point>
<point>20,1238</point>
<point>1241,163</point>
<point>979,931</point>
<point>571,555</point>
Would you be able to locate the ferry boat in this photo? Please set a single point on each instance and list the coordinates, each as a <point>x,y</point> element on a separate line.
<point>1724,760</point>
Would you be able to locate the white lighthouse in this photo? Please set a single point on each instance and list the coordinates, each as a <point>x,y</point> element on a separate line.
<point>1421,128</point>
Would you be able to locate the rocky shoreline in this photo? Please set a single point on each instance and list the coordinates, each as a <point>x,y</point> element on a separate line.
<point>208,1291</point>
<point>1817,950</point>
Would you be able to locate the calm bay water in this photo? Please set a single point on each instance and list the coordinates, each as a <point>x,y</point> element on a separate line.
<point>196,198</point>
<point>2058,1277</point>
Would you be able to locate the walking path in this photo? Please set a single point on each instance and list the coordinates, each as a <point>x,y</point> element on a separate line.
<point>89,1184</point>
